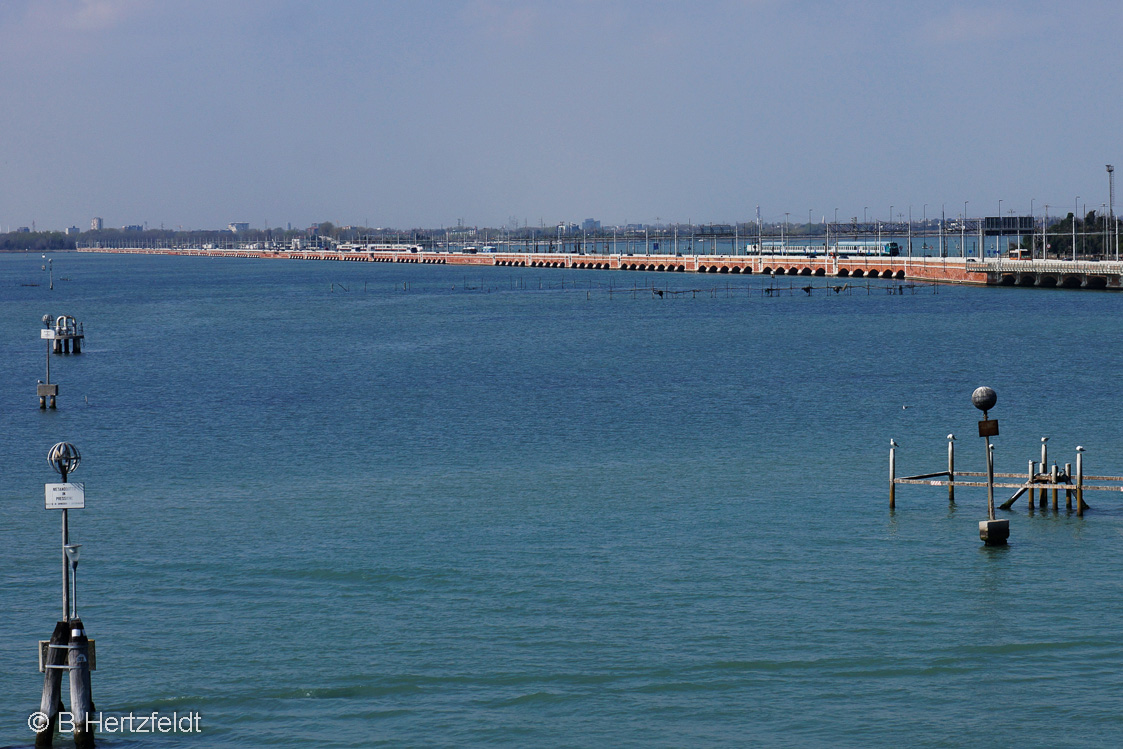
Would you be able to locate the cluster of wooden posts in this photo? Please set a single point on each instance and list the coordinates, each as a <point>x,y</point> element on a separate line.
<point>1040,479</point>
<point>68,650</point>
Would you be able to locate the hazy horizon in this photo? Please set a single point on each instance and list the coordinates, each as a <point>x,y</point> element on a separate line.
<point>197,114</point>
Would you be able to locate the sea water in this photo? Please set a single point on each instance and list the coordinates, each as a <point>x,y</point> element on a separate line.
<point>355,504</point>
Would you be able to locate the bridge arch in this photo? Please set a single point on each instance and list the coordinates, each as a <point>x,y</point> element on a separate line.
<point>1095,282</point>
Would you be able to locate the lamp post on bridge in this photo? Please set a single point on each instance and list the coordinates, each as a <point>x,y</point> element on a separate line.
<point>1075,210</point>
<point>963,233</point>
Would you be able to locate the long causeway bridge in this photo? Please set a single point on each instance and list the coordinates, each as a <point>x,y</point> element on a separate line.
<point>989,272</point>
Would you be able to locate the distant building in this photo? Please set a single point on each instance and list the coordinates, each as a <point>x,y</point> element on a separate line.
<point>132,227</point>
<point>73,230</point>
<point>237,226</point>
<point>590,224</point>
<point>23,230</point>
<point>97,224</point>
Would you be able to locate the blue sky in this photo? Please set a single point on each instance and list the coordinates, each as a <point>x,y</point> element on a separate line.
<point>195,113</point>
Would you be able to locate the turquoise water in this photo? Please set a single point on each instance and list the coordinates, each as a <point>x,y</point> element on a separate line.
<point>352,504</point>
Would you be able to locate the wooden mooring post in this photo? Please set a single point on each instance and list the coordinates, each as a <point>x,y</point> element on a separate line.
<point>1044,462</point>
<point>51,703</point>
<point>1080,481</point>
<point>1068,489</point>
<point>892,474</point>
<point>951,469</point>
<point>81,695</point>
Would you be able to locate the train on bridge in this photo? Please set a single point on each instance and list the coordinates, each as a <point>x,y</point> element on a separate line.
<point>844,248</point>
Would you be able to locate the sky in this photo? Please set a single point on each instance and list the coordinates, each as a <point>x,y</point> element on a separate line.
<point>197,113</point>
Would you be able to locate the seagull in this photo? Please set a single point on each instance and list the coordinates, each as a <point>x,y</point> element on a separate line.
<point>951,437</point>
<point>892,443</point>
<point>904,408</point>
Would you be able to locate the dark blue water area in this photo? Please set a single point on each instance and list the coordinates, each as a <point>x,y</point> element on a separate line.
<point>354,504</point>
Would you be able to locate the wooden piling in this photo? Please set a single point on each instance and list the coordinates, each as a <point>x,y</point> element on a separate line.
<point>951,472</point>
<point>1068,492</point>
<point>1053,481</point>
<point>1080,483</point>
<point>1041,500</point>
<point>51,703</point>
<point>81,695</point>
<point>1044,462</point>
<point>892,477</point>
<point>1029,489</point>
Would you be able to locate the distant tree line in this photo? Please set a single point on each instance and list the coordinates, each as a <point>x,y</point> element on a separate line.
<point>35,241</point>
<point>1095,237</point>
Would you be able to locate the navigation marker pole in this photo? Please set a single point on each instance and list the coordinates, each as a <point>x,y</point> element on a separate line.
<point>46,390</point>
<point>992,532</point>
<point>69,649</point>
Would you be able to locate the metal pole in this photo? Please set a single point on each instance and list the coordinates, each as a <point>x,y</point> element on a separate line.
<point>990,480</point>
<point>65,561</point>
<point>963,234</point>
<point>1111,201</point>
<point>1075,210</point>
<point>1001,230</point>
<point>910,231</point>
